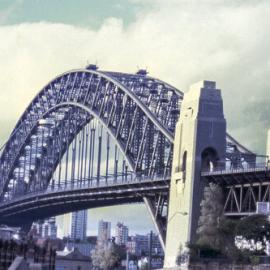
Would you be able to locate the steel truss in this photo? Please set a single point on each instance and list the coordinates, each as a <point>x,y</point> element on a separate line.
<point>241,200</point>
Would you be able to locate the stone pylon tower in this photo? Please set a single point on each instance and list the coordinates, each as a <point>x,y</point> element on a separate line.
<point>200,142</point>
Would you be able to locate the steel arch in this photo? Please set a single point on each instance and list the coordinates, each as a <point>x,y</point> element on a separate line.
<point>54,94</point>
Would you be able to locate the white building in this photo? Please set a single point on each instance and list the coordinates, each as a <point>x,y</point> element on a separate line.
<point>121,234</point>
<point>36,229</point>
<point>46,229</point>
<point>139,245</point>
<point>49,229</point>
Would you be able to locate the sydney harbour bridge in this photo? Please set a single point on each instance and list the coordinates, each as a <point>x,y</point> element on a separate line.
<point>94,138</point>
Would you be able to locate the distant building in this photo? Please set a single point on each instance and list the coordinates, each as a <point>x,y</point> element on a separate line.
<point>74,225</point>
<point>84,247</point>
<point>45,229</point>
<point>139,245</point>
<point>156,246</point>
<point>132,265</point>
<point>104,231</point>
<point>8,233</point>
<point>78,225</point>
<point>64,222</point>
<point>72,260</point>
<point>56,244</point>
<point>121,234</point>
<point>132,246</point>
<point>36,229</point>
<point>50,229</point>
<point>156,263</point>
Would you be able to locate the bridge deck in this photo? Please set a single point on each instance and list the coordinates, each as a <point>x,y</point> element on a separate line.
<point>58,201</point>
<point>241,176</point>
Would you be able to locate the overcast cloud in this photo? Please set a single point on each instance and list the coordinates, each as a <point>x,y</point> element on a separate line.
<point>180,42</point>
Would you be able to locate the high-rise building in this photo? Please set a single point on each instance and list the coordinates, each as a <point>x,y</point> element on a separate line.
<point>65,222</point>
<point>74,225</point>
<point>78,225</point>
<point>121,234</point>
<point>132,246</point>
<point>156,246</point>
<point>104,231</point>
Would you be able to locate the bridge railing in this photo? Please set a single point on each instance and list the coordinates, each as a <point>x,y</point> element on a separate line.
<point>93,183</point>
<point>226,168</point>
<point>103,181</point>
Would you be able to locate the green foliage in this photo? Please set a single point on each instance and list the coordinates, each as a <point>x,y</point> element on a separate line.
<point>226,234</point>
<point>254,228</point>
<point>217,234</point>
<point>254,260</point>
<point>197,251</point>
<point>211,213</point>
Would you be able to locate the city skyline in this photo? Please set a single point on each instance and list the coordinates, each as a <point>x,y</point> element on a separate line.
<point>93,227</point>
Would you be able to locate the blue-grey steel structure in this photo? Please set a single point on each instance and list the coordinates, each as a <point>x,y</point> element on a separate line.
<point>93,138</point>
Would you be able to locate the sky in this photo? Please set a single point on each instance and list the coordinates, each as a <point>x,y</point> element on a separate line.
<point>178,41</point>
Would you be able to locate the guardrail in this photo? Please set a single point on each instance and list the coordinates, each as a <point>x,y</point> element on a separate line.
<point>240,168</point>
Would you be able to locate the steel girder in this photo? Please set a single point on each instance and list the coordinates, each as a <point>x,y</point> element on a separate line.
<point>242,189</point>
<point>241,200</point>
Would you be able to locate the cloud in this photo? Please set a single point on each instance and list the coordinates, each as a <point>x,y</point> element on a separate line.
<point>181,42</point>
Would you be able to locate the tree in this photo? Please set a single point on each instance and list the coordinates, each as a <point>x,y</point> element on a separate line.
<point>255,229</point>
<point>104,256</point>
<point>211,214</point>
<point>226,232</point>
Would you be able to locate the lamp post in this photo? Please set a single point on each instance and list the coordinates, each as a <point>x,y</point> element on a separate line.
<point>127,260</point>
<point>150,251</point>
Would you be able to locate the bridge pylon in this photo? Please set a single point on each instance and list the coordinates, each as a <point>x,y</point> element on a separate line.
<point>200,143</point>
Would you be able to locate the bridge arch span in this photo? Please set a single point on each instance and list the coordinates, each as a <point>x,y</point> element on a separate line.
<point>124,103</point>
